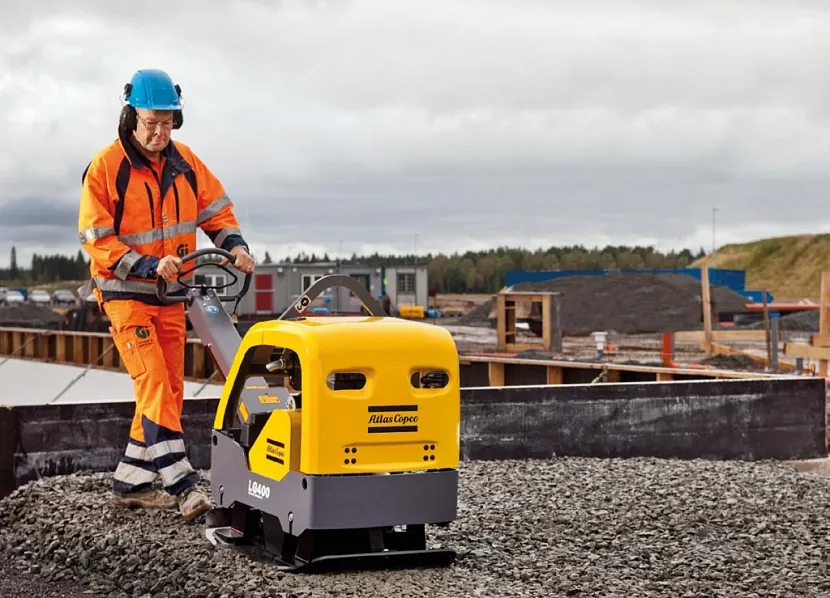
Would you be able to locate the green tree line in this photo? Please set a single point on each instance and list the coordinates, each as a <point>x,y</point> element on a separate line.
<point>46,268</point>
<point>484,271</point>
<point>468,272</point>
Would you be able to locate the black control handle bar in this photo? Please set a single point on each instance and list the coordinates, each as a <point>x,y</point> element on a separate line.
<point>161,286</point>
<point>326,282</point>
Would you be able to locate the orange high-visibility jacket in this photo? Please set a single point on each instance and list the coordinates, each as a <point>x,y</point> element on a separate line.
<point>132,214</point>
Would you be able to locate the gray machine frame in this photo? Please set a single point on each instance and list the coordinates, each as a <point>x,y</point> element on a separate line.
<point>305,522</point>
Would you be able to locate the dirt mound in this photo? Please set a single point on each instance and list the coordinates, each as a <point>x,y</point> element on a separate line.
<point>29,316</point>
<point>478,316</point>
<point>633,302</point>
<point>803,321</point>
<point>732,362</point>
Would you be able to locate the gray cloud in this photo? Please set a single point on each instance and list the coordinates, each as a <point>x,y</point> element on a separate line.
<point>470,124</point>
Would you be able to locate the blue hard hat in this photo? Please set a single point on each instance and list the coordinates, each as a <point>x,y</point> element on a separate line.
<point>153,89</point>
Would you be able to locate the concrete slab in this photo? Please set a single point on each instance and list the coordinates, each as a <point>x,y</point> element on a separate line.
<point>28,382</point>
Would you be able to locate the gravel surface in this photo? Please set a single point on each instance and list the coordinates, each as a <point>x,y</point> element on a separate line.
<point>565,527</point>
<point>17,583</point>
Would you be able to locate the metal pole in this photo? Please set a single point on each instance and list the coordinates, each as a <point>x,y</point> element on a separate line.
<point>768,334</point>
<point>773,361</point>
<point>201,388</point>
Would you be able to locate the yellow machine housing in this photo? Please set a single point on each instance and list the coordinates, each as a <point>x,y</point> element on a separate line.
<point>399,409</point>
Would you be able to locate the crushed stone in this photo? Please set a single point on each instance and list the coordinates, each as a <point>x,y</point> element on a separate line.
<point>559,527</point>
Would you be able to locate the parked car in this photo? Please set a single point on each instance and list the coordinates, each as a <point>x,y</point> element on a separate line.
<point>63,297</point>
<point>40,297</point>
<point>14,298</point>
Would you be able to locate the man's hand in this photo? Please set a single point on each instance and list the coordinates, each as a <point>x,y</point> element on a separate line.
<point>169,266</point>
<point>244,262</point>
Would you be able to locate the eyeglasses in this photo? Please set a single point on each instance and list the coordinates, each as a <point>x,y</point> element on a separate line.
<point>166,125</point>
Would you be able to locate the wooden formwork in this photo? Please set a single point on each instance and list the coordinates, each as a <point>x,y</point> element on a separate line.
<point>819,347</point>
<point>506,304</point>
<point>515,371</point>
<point>95,349</point>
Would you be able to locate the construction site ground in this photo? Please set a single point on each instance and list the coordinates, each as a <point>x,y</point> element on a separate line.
<point>634,309</point>
<point>619,526</point>
<point>641,349</point>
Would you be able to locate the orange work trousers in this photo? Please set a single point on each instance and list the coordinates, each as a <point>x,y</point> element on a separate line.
<point>151,340</point>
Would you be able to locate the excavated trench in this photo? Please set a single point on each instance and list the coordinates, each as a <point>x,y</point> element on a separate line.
<point>559,527</point>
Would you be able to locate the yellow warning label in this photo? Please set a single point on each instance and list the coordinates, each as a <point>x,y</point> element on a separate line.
<point>244,411</point>
<point>268,399</point>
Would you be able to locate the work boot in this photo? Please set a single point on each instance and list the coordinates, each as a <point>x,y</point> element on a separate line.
<point>143,499</point>
<point>193,503</point>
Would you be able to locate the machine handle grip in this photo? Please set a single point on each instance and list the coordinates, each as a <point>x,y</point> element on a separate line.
<point>161,285</point>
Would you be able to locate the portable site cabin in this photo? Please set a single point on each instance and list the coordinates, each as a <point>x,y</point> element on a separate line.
<point>275,287</point>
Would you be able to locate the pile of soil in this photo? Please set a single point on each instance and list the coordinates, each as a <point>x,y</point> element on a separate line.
<point>478,316</point>
<point>629,302</point>
<point>732,362</point>
<point>29,316</point>
<point>802,321</point>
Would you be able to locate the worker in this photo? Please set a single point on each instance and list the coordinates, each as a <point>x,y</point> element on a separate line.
<point>142,199</point>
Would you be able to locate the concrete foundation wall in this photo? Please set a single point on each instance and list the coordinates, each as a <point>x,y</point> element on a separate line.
<point>711,419</point>
<point>46,440</point>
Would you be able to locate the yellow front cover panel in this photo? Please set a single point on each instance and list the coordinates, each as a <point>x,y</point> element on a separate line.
<point>387,425</point>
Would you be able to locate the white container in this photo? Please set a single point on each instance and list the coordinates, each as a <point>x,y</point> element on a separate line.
<point>600,338</point>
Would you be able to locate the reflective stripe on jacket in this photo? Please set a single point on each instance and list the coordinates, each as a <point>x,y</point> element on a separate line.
<point>133,213</point>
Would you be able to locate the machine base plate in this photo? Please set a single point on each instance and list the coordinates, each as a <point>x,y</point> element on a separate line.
<point>226,538</point>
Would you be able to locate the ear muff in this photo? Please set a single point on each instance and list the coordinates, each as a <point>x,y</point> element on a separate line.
<point>128,121</point>
<point>178,115</point>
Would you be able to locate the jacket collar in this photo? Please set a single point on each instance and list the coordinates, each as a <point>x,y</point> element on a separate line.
<point>173,158</point>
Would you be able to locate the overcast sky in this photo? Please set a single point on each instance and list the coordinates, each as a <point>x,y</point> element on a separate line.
<point>347,124</point>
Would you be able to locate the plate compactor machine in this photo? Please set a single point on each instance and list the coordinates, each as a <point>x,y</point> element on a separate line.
<point>337,438</point>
